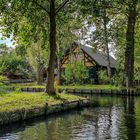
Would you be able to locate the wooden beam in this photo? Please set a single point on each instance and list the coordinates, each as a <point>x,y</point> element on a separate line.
<point>89,60</point>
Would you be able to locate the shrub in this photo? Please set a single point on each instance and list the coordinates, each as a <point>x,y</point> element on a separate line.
<point>11,65</point>
<point>138,90</point>
<point>103,76</point>
<point>3,78</point>
<point>75,73</point>
<point>117,78</point>
<point>3,91</point>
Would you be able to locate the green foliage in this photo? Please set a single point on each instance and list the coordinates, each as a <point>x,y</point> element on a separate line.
<point>37,56</point>
<point>12,64</point>
<point>3,90</point>
<point>4,50</point>
<point>138,90</point>
<point>75,73</point>
<point>18,90</point>
<point>3,78</point>
<point>117,78</point>
<point>137,73</point>
<point>103,76</point>
<point>29,24</point>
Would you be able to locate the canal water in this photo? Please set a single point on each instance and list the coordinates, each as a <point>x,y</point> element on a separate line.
<point>111,118</point>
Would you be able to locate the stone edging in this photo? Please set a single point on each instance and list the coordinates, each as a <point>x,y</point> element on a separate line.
<point>23,114</point>
<point>131,92</point>
<point>33,89</point>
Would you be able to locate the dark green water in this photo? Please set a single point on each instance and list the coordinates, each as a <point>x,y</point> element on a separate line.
<point>113,118</point>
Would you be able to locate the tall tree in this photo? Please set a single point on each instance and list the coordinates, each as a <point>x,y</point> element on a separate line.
<point>37,56</point>
<point>105,22</point>
<point>36,11</point>
<point>101,12</point>
<point>52,41</point>
<point>130,43</point>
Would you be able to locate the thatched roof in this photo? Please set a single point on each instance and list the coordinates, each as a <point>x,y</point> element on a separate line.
<point>99,57</point>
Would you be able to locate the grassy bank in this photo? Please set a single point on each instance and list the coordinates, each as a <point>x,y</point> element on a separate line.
<point>34,85</point>
<point>18,101</point>
<point>90,87</point>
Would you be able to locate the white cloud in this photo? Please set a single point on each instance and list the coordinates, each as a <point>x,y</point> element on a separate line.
<point>7,41</point>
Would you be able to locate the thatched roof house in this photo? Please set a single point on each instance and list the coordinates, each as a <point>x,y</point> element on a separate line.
<point>93,59</point>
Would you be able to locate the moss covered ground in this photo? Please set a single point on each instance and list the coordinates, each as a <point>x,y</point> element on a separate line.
<point>34,85</point>
<point>16,101</point>
<point>109,87</point>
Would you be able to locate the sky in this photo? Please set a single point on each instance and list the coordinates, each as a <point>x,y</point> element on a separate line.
<point>7,41</point>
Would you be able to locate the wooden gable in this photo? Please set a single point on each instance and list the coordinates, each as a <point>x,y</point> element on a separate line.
<point>76,54</point>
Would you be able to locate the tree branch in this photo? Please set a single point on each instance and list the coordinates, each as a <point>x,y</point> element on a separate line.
<point>62,5</point>
<point>39,5</point>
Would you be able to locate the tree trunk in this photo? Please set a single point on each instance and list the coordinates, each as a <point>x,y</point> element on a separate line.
<point>58,71</point>
<point>39,82</point>
<point>39,75</point>
<point>39,68</point>
<point>106,45</point>
<point>52,60</point>
<point>129,51</point>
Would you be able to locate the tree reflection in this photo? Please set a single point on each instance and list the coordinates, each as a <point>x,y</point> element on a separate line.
<point>129,115</point>
<point>113,118</point>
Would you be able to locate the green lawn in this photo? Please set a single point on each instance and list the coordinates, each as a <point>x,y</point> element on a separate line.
<point>34,85</point>
<point>90,87</point>
<point>17,101</point>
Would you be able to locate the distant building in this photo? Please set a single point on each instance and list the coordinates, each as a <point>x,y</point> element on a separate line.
<point>93,59</point>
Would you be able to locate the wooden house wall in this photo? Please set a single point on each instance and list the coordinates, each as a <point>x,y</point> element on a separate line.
<point>77,55</point>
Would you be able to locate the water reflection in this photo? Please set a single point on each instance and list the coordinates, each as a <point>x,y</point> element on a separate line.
<point>113,118</point>
<point>129,117</point>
